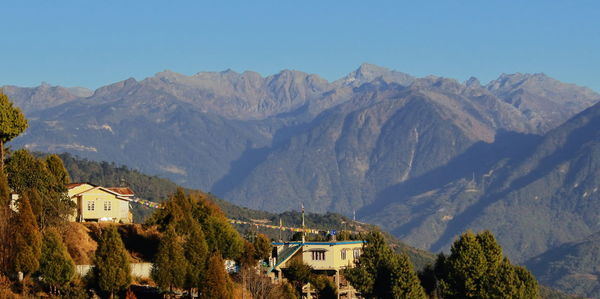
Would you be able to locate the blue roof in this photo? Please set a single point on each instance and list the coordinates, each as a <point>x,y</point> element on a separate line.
<point>319,243</point>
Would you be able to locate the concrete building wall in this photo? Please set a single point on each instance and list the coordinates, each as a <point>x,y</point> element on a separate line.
<point>141,270</point>
<point>333,258</point>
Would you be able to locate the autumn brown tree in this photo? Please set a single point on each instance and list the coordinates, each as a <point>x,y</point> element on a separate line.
<point>217,283</point>
<point>6,233</point>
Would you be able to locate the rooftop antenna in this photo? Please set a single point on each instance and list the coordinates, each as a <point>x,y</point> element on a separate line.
<point>280,229</point>
<point>303,230</point>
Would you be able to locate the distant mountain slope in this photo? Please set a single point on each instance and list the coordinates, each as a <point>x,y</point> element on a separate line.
<point>573,267</point>
<point>383,135</point>
<point>532,197</point>
<point>545,101</point>
<point>31,99</point>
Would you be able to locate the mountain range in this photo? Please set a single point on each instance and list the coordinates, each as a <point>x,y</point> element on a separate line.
<point>425,158</point>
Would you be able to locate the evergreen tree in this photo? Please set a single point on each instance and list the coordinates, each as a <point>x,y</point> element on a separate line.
<point>56,265</point>
<point>196,254</point>
<point>325,288</point>
<point>12,123</point>
<point>28,240</point>
<point>262,247</point>
<point>477,269</point>
<point>468,268</point>
<point>380,273</point>
<point>176,212</point>
<point>111,263</point>
<point>30,175</point>
<point>170,267</point>
<point>248,258</point>
<point>57,169</point>
<point>220,234</point>
<point>529,287</point>
<point>26,172</point>
<point>404,281</point>
<point>217,283</point>
<point>183,210</point>
<point>298,274</point>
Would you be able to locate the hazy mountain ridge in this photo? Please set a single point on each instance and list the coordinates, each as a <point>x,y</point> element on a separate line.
<point>220,130</point>
<point>547,102</point>
<point>31,99</point>
<point>548,188</point>
<point>425,158</point>
<point>383,136</point>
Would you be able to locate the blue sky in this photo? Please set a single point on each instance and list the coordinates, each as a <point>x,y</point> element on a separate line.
<point>93,43</point>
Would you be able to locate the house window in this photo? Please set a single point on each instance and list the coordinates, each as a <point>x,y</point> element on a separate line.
<point>356,253</point>
<point>90,205</point>
<point>343,254</point>
<point>107,205</point>
<point>318,255</point>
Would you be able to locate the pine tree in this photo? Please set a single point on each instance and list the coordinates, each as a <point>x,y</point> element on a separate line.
<point>12,123</point>
<point>170,267</point>
<point>183,210</point>
<point>30,175</point>
<point>468,268</point>
<point>27,238</point>
<point>298,274</point>
<point>111,263</point>
<point>218,284</point>
<point>529,287</point>
<point>477,269</point>
<point>56,265</point>
<point>57,169</point>
<point>380,273</point>
<point>220,234</point>
<point>248,258</point>
<point>196,254</point>
<point>325,288</point>
<point>404,281</point>
<point>262,247</point>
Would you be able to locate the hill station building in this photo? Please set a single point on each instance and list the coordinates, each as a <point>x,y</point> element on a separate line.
<point>328,258</point>
<point>101,204</point>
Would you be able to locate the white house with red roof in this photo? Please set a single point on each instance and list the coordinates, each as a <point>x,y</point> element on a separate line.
<point>101,204</point>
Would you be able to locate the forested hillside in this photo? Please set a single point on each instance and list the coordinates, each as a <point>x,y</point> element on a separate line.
<point>158,189</point>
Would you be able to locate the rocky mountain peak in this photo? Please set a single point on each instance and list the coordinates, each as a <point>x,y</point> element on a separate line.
<point>369,72</point>
<point>473,83</point>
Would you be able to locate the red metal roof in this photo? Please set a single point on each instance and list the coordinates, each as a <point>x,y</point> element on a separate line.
<point>122,190</point>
